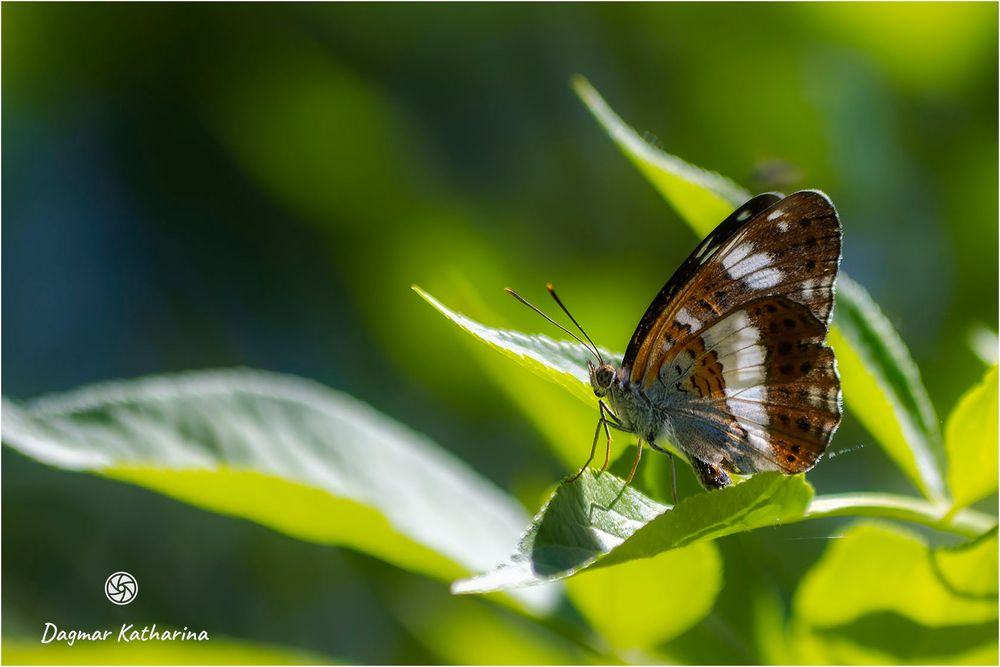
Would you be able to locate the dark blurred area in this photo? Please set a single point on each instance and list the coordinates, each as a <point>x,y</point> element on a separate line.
<point>200,186</point>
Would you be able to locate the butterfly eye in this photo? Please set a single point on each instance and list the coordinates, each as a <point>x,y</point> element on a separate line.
<point>605,375</point>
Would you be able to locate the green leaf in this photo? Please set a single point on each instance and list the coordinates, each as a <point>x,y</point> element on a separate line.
<point>875,567</point>
<point>597,520</point>
<point>889,639</point>
<point>766,499</point>
<point>565,419</point>
<point>283,452</point>
<point>17,651</point>
<point>984,343</point>
<point>643,603</point>
<point>559,361</point>
<point>461,630</point>
<point>880,595</point>
<point>880,637</point>
<point>971,443</point>
<point>968,523</point>
<point>702,198</point>
<point>882,387</point>
<point>768,621</point>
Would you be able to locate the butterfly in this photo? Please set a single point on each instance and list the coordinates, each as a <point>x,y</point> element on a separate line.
<point>730,363</point>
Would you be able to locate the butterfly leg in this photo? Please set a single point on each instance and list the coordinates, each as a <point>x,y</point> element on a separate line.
<point>710,476</point>
<point>635,463</point>
<point>593,446</point>
<point>673,478</point>
<point>608,421</point>
<point>605,413</point>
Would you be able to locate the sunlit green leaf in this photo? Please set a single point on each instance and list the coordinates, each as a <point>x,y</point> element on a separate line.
<point>642,603</point>
<point>882,387</point>
<point>877,567</point>
<point>873,638</point>
<point>556,414</point>
<point>984,343</point>
<point>965,522</point>
<point>597,520</point>
<point>559,361</point>
<point>971,442</point>
<point>879,376</point>
<point>284,452</point>
<point>879,595</point>
<point>890,639</point>
<point>766,499</point>
<point>702,198</point>
<point>19,651</point>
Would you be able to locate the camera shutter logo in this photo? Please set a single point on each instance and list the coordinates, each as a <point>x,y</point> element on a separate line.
<point>121,588</point>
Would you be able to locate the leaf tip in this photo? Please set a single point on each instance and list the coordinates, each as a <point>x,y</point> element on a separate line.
<point>478,584</point>
<point>460,587</point>
<point>587,94</point>
<point>425,296</point>
<point>580,85</point>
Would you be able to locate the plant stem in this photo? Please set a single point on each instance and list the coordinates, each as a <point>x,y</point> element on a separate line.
<point>969,523</point>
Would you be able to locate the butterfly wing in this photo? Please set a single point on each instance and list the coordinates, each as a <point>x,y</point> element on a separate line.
<point>769,246</point>
<point>718,238</point>
<point>756,390</point>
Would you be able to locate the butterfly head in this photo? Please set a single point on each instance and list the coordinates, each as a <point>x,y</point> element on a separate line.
<point>601,378</point>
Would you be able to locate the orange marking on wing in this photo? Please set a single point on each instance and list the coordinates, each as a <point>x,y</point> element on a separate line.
<point>673,334</point>
<point>707,374</point>
<point>703,310</point>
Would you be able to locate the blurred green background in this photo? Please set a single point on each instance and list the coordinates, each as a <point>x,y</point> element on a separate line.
<point>202,186</point>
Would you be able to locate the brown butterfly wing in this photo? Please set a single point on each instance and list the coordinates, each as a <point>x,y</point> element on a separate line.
<point>757,390</point>
<point>683,276</point>
<point>769,247</point>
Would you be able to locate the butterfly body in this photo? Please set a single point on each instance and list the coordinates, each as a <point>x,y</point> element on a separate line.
<point>729,363</point>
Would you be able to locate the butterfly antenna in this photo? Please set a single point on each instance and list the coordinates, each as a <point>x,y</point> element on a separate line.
<point>552,291</point>
<point>590,348</point>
